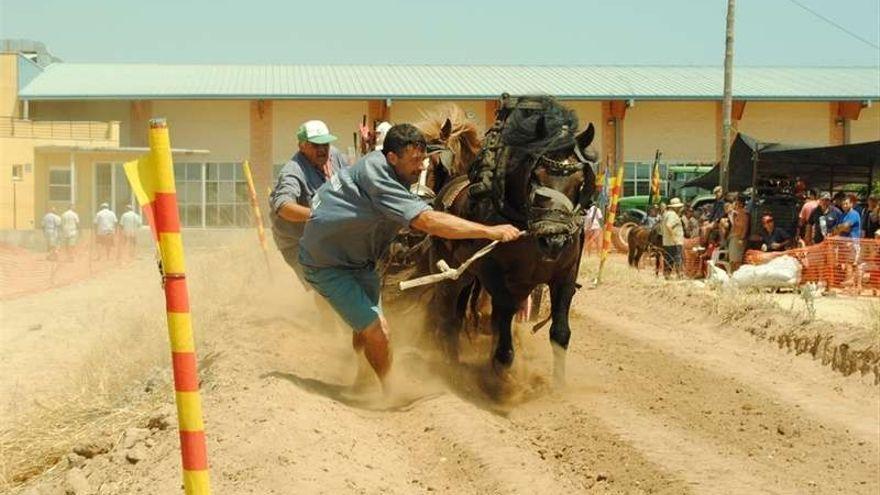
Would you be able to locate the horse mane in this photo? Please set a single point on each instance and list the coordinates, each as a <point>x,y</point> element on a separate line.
<point>465,139</point>
<point>521,126</point>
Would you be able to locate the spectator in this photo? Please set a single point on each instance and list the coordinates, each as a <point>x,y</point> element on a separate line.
<point>105,229</point>
<point>824,217</point>
<point>691,224</point>
<point>129,224</point>
<point>739,232</point>
<point>850,224</point>
<point>810,204</point>
<point>593,225</point>
<point>52,231</point>
<point>772,237</point>
<point>871,218</point>
<point>718,206</point>
<point>673,237</point>
<point>381,130</point>
<point>651,220</point>
<point>69,231</point>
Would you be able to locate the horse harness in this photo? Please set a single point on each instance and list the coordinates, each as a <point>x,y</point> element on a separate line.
<point>488,175</point>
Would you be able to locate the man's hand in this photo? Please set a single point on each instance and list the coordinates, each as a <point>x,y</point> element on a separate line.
<point>504,233</point>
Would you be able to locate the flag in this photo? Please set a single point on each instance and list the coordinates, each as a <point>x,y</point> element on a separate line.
<point>655,183</point>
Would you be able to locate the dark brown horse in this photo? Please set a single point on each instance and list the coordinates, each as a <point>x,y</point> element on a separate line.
<point>534,172</point>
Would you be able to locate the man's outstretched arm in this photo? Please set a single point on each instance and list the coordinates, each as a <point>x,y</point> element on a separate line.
<point>448,226</point>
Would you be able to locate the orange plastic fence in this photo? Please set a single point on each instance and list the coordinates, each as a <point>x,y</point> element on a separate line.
<point>23,271</point>
<point>836,262</point>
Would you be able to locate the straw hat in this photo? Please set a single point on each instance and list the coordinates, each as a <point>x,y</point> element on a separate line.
<point>675,203</point>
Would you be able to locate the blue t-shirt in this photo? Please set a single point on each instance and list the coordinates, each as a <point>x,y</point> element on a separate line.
<point>854,220</point>
<point>297,182</point>
<point>356,215</point>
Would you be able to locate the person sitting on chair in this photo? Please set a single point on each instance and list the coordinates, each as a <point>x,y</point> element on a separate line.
<point>772,237</point>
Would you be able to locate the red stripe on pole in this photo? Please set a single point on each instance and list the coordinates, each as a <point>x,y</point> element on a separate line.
<point>167,219</point>
<point>186,378</point>
<point>176,298</point>
<point>193,451</point>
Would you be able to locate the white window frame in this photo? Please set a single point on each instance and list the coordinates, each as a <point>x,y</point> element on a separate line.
<point>50,185</point>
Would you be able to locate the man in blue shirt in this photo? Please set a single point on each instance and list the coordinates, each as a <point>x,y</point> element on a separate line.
<point>354,218</point>
<point>772,237</point>
<point>851,223</point>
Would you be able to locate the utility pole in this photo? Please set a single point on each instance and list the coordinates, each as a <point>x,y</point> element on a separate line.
<point>727,103</point>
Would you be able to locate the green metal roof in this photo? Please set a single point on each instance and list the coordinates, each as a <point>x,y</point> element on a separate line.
<point>77,81</point>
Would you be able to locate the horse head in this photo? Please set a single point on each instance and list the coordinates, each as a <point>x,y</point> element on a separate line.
<point>550,177</point>
<point>455,140</point>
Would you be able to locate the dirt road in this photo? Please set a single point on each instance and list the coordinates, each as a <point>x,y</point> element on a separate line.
<point>662,398</point>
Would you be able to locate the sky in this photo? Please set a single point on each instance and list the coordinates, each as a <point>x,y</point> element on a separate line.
<point>545,32</point>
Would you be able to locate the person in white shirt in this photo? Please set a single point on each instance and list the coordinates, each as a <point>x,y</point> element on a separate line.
<point>129,224</point>
<point>105,228</point>
<point>69,231</point>
<point>52,231</point>
<point>673,237</point>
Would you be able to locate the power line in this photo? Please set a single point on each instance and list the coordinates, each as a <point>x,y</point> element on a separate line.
<point>838,26</point>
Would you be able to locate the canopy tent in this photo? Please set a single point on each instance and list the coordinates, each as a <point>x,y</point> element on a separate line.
<point>821,168</point>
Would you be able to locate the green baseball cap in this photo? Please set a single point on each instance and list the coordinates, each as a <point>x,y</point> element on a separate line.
<point>315,131</point>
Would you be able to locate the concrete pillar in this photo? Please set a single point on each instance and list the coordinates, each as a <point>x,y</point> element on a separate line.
<point>840,114</point>
<point>377,110</point>
<point>613,113</point>
<point>489,112</point>
<point>140,111</point>
<point>261,153</point>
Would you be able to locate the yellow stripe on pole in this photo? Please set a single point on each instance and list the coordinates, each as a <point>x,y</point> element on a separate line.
<point>160,155</point>
<point>189,411</point>
<point>180,332</point>
<point>196,482</point>
<point>171,247</point>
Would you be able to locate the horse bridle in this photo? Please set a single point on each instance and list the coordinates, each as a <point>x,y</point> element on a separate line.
<point>566,216</point>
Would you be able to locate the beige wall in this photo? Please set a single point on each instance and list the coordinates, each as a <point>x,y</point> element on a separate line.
<point>782,122</point>
<point>8,85</point>
<point>219,126</point>
<point>683,131</point>
<point>867,128</point>
<point>341,116</point>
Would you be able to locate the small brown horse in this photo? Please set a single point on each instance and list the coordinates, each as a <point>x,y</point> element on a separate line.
<point>642,240</point>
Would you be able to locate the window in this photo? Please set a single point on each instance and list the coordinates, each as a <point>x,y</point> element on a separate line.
<point>59,184</point>
<point>188,181</point>
<point>111,187</point>
<point>226,196</point>
<point>637,179</point>
<point>18,172</point>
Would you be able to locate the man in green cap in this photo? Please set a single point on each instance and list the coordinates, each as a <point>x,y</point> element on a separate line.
<point>299,178</point>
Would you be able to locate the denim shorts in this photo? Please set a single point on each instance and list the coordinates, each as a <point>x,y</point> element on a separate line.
<point>353,292</point>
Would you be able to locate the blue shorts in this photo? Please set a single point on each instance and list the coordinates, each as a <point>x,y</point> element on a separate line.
<point>291,257</point>
<point>353,293</point>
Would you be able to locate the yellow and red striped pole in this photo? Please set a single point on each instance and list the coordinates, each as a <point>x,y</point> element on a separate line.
<point>258,217</point>
<point>186,382</point>
<point>610,217</point>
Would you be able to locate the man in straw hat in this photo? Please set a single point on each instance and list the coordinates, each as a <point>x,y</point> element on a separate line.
<point>673,236</point>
